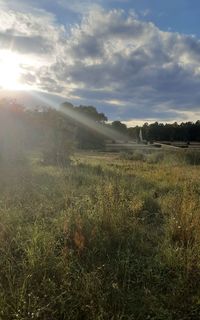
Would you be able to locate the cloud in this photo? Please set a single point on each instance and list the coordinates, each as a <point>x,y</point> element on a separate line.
<point>111,59</point>
<point>115,56</point>
<point>25,44</point>
<point>29,33</point>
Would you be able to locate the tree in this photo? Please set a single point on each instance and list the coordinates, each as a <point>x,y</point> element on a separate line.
<point>120,127</point>
<point>92,113</point>
<point>133,132</point>
<point>45,130</point>
<point>13,136</point>
<point>58,138</point>
<point>86,119</point>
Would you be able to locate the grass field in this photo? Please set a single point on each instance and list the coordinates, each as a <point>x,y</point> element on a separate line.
<point>105,238</point>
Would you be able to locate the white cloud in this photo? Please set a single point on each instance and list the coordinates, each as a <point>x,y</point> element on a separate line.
<point>109,57</point>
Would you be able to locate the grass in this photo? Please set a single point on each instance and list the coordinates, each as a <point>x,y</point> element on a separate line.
<point>106,238</point>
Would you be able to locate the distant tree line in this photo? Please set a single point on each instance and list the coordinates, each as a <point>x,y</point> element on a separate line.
<point>89,138</point>
<point>188,131</point>
<point>57,132</point>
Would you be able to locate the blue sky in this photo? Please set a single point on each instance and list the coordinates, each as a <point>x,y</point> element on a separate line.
<point>178,15</point>
<point>135,60</point>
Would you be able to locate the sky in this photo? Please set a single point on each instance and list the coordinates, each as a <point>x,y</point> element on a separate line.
<point>135,60</point>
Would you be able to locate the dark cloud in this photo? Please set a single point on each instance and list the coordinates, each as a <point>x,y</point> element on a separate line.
<point>88,46</point>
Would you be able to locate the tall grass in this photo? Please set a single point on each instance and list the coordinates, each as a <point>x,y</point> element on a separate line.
<point>102,239</point>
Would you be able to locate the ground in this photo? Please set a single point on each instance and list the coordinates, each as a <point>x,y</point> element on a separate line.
<point>104,238</point>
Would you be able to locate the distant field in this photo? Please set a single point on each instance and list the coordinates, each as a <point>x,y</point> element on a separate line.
<point>112,236</point>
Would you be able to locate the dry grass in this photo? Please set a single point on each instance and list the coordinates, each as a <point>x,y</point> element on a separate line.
<point>105,238</point>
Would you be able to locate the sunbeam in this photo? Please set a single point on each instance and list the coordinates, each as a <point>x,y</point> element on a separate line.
<point>82,119</point>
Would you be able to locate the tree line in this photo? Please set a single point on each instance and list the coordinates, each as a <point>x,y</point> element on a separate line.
<point>57,132</point>
<point>187,132</point>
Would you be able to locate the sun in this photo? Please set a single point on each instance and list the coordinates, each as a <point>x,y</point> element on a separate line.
<point>10,71</point>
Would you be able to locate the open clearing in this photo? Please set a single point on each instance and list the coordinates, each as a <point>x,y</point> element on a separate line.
<point>105,238</point>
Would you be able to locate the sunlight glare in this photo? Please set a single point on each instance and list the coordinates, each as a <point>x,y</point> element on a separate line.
<point>10,71</point>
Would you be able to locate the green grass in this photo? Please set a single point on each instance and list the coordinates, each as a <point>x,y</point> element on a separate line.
<point>105,238</point>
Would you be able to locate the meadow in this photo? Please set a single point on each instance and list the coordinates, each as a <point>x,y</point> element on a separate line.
<point>110,236</point>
